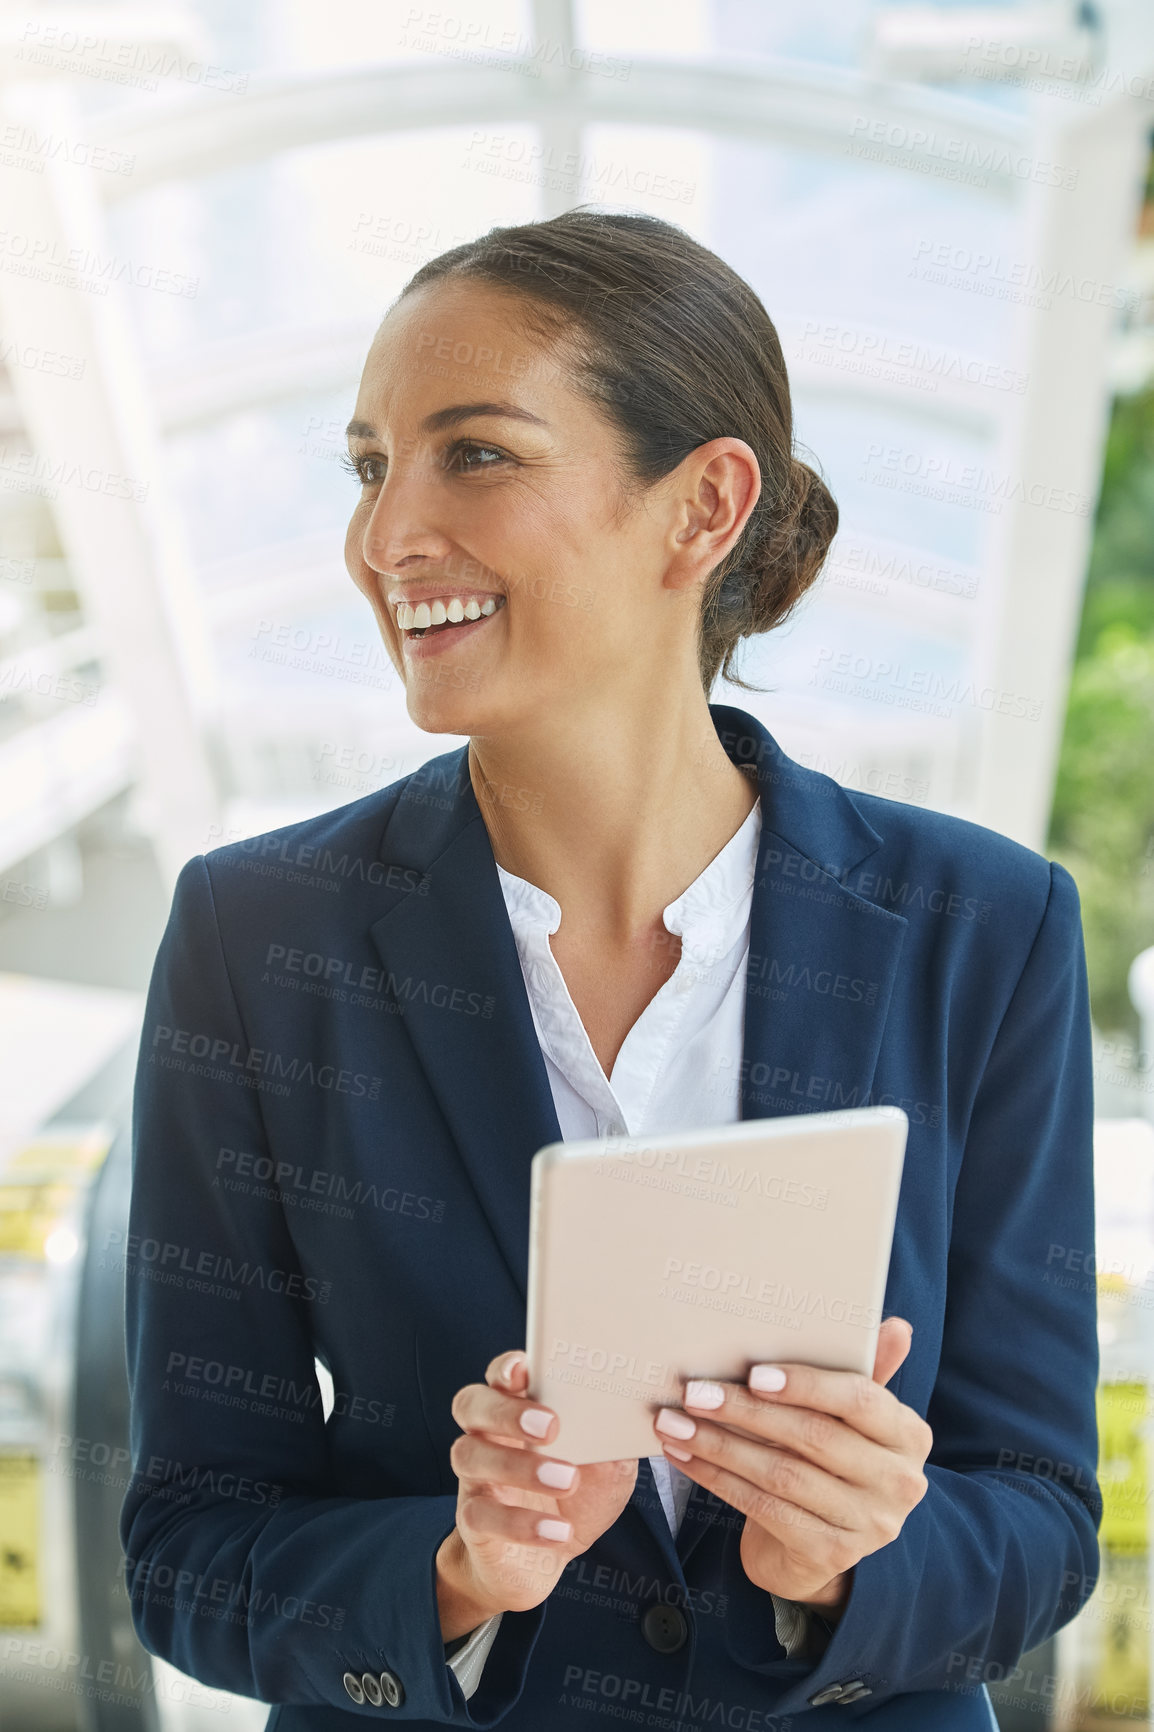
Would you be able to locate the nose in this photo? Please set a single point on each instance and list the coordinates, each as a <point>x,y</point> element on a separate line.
<point>401,529</point>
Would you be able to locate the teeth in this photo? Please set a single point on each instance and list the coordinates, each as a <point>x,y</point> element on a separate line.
<point>440,612</point>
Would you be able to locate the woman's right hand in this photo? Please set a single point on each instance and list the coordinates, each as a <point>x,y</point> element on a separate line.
<point>498,1557</point>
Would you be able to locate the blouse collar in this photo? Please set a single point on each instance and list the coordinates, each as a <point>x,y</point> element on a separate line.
<point>709,916</point>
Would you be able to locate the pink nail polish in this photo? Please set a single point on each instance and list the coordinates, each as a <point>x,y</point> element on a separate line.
<point>675,1424</point>
<point>700,1393</point>
<point>767,1378</point>
<point>672,1449</point>
<point>550,1528</point>
<point>535,1421</point>
<point>558,1474</point>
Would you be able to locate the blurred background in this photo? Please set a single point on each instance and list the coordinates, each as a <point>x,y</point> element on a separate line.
<point>205,210</point>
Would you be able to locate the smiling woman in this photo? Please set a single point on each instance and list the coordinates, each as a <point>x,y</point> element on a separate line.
<point>577,494</point>
<point>572,414</point>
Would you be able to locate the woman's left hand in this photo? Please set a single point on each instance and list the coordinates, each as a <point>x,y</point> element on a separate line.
<point>825,1469</point>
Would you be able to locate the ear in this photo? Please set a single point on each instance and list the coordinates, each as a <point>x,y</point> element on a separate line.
<point>712,492</point>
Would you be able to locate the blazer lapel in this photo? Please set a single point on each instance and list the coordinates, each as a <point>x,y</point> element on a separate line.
<point>822,958</point>
<point>452,962</point>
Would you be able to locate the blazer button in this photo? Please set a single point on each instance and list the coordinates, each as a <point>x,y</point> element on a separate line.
<point>831,1693</point>
<point>665,1629</point>
<point>393,1690</point>
<point>371,1685</point>
<point>352,1686</point>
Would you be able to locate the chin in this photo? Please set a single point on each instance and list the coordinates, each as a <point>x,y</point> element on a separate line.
<point>443,711</point>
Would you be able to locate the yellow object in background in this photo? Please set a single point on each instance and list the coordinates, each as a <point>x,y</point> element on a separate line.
<point>41,1181</point>
<point>59,1151</point>
<point>29,1213</point>
<point>1118,1614</point>
<point>1121,1684</point>
<point>1123,1468</point>
<point>19,1540</point>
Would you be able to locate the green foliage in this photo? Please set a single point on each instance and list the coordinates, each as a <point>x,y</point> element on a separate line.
<point>1102,823</point>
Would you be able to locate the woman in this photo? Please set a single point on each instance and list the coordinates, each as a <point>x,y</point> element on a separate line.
<point>617,908</point>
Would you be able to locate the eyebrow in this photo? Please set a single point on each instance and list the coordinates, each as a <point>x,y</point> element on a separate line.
<point>451,416</point>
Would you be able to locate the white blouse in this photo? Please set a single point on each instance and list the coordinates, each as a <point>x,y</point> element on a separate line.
<point>679,1067</point>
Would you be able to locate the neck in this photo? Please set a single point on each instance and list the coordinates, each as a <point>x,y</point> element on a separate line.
<point>614,814</point>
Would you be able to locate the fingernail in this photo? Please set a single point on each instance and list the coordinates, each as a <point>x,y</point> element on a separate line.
<point>551,1529</point>
<point>556,1473</point>
<point>674,1423</point>
<point>767,1378</point>
<point>681,1454</point>
<point>535,1421</point>
<point>511,1364</point>
<point>699,1393</point>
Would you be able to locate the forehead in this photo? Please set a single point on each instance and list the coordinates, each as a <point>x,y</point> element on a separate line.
<point>459,341</point>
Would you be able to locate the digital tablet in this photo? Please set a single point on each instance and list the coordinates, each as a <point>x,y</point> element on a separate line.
<point>699,1254</point>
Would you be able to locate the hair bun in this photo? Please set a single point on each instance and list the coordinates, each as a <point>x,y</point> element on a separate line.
<point>793,551</point>
<point>775,566</point>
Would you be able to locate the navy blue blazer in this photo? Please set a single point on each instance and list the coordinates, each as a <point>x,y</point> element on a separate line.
<point>339,1094</point>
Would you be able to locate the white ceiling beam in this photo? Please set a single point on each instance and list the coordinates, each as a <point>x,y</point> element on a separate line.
<point>1051,453</point>
<point>99,456</point>
<point>815,109</point>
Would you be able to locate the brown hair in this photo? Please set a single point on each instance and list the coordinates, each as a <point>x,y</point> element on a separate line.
<point>677,349</point>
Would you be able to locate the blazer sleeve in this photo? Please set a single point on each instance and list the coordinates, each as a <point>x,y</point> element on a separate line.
<point>245,1569</point>
<point>1002,1550</point>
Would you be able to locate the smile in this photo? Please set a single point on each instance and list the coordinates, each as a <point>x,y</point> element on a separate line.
<point>443,614</point>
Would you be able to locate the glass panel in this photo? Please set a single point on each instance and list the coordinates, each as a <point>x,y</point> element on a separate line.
<point>897,294</point>
<point>358,32</point>
<point>312,245</point>
<point>663,171</point>
<point>268,475</point>
<point>315,236</point>
<point>680,29</point>
<point>216,47</point>
<point>828,32</point>
<point>893,295</point>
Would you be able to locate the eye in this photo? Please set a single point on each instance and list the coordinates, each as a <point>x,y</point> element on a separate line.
<point>461,455</point>
<point>361,467</point>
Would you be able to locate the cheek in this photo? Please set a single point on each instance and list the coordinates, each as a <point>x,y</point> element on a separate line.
<point>554,553</point>
<point>365,579</point>
<point>562,640</point>
<point>354,563</point>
